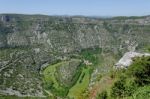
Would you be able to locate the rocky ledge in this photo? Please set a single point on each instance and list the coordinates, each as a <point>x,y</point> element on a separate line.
<point>127,59</point>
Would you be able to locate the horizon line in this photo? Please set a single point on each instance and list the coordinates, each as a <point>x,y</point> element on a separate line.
<point>73,15</point>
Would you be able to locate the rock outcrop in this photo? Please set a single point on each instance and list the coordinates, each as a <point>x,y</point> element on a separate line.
<point>126,60</point>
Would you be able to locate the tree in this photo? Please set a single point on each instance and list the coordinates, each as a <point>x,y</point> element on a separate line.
<point>140,69</point>
<point>118,89</point>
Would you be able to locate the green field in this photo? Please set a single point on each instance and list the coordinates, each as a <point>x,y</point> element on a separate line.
<point>80,87</point>
<point>50,82</point>
<point>49,74</point>
<point>52,76</point>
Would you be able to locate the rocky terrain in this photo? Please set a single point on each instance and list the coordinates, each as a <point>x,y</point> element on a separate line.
<point>32,46</point>
<point>127,59</point>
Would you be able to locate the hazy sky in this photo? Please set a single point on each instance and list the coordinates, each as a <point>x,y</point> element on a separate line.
<point>77,7</point>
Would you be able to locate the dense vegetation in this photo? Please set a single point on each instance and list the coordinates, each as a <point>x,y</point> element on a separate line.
<point>131,83</point>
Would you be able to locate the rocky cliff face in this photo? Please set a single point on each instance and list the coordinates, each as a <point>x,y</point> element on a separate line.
<point>67,34</point>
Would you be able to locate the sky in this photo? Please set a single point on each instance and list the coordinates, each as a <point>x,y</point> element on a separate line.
<point>77,7</point>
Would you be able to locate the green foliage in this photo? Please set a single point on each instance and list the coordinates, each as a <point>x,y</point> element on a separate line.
<point>123,87</point>
<point>48,85</point>
<point>62,91</point>
<point>140,69</point>
<point>130,86</point>
<point>102,95</point>
<point>52,77</point>
<point>50,82</point>
<point>118,89</point>
<point>138,74</point>
<point>80,87</point>
<point>76,76</point>
<point>99,77</point>
<point>149,49</point>
<point>142,93</point>
<point>91,54</point>
<point>82,78</point>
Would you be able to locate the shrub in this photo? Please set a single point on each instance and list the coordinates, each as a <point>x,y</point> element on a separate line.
<point>118,89</point>
<point>130,86</point>
<point>140,69</point>
<point>102,95</point>
<point>123,87</point>
<point>138,74</point>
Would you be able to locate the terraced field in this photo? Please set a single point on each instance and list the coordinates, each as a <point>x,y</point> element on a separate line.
<point>80,88</point>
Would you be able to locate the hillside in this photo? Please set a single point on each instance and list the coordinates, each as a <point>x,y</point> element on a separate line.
<point>57,56</point>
